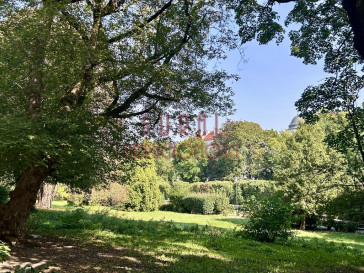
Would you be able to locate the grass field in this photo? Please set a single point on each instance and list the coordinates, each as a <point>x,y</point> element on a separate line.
<point>176,242</point>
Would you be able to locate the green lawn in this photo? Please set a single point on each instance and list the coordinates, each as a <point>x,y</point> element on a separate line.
<point>176,242</point>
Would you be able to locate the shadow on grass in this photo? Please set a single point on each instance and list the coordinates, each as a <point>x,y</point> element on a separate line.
<point>75,241</point>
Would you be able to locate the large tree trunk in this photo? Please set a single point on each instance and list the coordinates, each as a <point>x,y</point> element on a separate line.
<point>14,214</point>
<point>46,194</point>
<point>355,10</point>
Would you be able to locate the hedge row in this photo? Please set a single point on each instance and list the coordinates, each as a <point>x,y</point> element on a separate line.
<point>236,192</point>
<point>205,203</point>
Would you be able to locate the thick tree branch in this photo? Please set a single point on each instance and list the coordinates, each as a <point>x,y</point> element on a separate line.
<point>128,102</point>
<point>143,91</point>
<point>141,26</point>
<point>129,115</point>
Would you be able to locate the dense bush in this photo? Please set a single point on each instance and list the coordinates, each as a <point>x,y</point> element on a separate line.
<point>252,188</point>
<point>214,187</point>
<point>205,203</point>
<point>167,207</point>
<point>178,192</point>
<point>271,219</point>
<point>199,203</point>
<point>4,195</point>
<point>236,192</point>
<point>76,198</point>
<point>144,194</point>
<point>222,204</point>
<point>115,194</point>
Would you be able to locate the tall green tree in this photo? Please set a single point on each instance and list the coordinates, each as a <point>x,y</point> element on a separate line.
<point>241,149</point>
<point>332,31</point>
<point>308,171</point>
<point>76,76</point>
<point>190,159</point>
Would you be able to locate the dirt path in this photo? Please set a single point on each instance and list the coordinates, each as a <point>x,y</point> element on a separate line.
<point>65,255</point>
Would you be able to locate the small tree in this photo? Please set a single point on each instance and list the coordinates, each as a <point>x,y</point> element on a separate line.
<point>141,177</point>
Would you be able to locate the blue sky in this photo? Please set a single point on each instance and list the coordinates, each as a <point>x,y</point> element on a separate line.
<point>271,82</point>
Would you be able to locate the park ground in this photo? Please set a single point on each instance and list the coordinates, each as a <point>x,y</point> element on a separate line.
<point>93,239</point>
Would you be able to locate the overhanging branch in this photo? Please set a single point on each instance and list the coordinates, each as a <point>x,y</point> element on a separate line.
<point>141,26</point>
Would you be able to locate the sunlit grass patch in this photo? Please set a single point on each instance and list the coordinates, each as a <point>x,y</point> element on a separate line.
<point>176,242</point>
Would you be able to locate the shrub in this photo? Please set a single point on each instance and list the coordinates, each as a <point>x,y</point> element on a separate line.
<point>144,194</point>
<point>166,207</point>
<point>61,192</point>
<point>164,188</point>
<point>100,196</point>
<point>221,204</point>
<point>178,192</point>
<point>236,192</point>
<point>214,187</point>
<point>252,188</point>
<point>75,198</point>
<point>4,195</point>
<point>4,252</point>
<point>199,203</point>
<point>196,187</point>
<point>205,203</point>
<point>271,219</point>
<point>118,194</point>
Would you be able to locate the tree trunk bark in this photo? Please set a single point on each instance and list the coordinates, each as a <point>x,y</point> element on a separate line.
<point>355,11</point>
<point>303,223</point>
<point>14,214</point>
<point>46,194</point>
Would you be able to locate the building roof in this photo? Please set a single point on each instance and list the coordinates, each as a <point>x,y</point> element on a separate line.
<point>209,136</point>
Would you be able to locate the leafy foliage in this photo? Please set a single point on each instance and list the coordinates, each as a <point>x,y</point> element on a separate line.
<point>76,78</point>
<point>307,170</point>
<point>114,194</point>
<point>190,159</point>
<point>178,192</point>
<point>349,206</point>
<point>324,30</point>
<point>271,219</point>
<point>140,175</point>
<point>4,194</point>
<point>242,149</point>
<point>4,252</point>
<point>205,203</point>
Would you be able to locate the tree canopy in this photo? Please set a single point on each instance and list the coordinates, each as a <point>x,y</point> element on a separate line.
<point>77,75</point>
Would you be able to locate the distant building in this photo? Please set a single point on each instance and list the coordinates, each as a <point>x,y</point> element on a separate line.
<point>295,124</point>
<point>208,137</point>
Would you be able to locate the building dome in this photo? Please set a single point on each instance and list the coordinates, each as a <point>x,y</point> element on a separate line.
<point>295,124</point>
